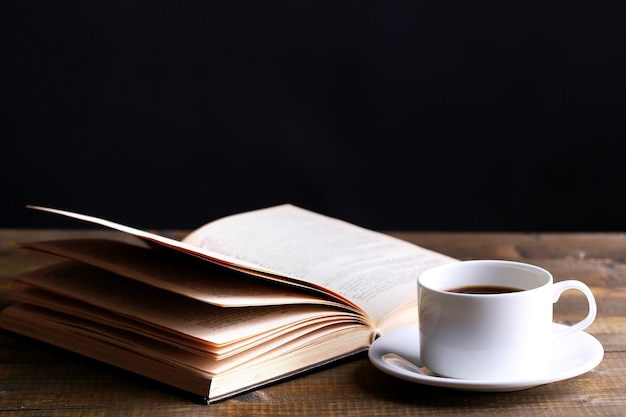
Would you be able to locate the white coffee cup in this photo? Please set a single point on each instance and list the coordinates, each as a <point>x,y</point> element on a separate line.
<point>491,337</point>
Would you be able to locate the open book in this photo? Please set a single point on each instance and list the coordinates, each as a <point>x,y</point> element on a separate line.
<point>243,301</point>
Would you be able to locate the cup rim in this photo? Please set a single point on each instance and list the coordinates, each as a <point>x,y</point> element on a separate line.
<point>425,277</point>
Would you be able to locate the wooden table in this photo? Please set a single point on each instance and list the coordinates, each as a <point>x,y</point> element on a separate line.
<point>37,379</point>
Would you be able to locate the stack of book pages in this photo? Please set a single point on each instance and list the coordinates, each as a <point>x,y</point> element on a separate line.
<point>241,302</point>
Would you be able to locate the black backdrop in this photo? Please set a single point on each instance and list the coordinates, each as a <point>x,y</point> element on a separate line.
<point>431,115</point>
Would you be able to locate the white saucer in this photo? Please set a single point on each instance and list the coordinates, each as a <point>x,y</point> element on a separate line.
<point>396,354</point>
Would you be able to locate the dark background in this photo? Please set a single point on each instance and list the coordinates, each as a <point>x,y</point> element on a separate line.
<point>427,115</point>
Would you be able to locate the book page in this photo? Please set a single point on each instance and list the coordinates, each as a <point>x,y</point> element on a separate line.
<point>79,335</point>
<point>213,325</point>
<point>375,271</point>
<point>75,326</point>
<point>156,241</point>
<point>183,275</point>
<point>153,238</point>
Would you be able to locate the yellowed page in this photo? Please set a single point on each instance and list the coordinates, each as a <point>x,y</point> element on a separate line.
<point>244,349</point>
<point>371,270</point>
<point>375,271</point>
<point>185,275</point>
<point>156,239</point>
<point>171,312</point>
<point>221,258</point>
<point>164,352</point>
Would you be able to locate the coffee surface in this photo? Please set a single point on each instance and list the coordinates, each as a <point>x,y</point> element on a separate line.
<point>483,289</point>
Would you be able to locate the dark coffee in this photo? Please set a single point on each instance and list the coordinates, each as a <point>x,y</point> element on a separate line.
<point>483,289</point>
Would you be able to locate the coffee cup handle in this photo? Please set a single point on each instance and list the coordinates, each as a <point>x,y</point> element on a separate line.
<point>562,286</point>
